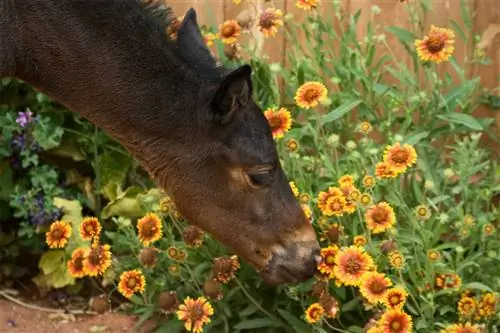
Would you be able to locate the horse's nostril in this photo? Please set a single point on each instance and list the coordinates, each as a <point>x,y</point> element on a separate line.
<point>317,259</point>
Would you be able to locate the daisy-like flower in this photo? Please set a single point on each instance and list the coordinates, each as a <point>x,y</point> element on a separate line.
<point>423,212</point>
<point>328,259</point>
<point>396,259</point>
<point>433,255</point>
<point>368,182</point>
<point>395,297</point>
<point>461,328</point>
<point>380,217</point>
<point>90,228</point>
<point>354,195</point>
<point>314,313</point>
<point>195,313</point>
<point>306,4</point>
<point>487,305</point>
<point>75,264</point>
<point>149,229</point>
<point>269,21</point>
<point>346,180</point>
<point>400,157</point>
<point>384,170</point>
<point>98,259</point>
<point>280,121</point>
<point>365,127</point>
<point>469,220</point>
<point>467,306</point>
<point>489,229</point>
<point>332,201</point>
<point>310,94</point>
<point>350,205</point>
<point>359,240</point>
<point>436,47</point>
<point>448,281</point>
<point>350,265</point>
<point>292,145</point>
<point>304,198</point>
<point>229,31</point>
<point>209,38</point>
<point>58,234</point>
<point>193,236</point>
<point>365,199</point>
<point>131,282</point>
<point>374,286</point>
<point>396,321</point>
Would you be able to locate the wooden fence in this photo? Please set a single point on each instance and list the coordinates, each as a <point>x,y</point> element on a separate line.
<point>486,23</point>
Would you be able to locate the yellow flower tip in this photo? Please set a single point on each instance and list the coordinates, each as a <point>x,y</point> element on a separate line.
<point>149,229</point>
<point>280,121</point>
<point>131,282</point>
<point>59,234</point>
<point>314,313</point>
<point>310,94</point>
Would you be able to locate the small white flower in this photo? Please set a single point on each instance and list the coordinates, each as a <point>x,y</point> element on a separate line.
<point>448,172</point>
<point>351,145</point>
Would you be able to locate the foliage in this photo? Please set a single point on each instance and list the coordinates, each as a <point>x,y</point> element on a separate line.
<point>443,248</point>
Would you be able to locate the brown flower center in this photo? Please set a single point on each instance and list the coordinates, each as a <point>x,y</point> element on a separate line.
<point>149,229</point>
<point>57,234</point>
<point>395,300</point>
<point>96,256</point>
<point>395,326</point>
<point>352,266</point>
<point>78,263</point>
<point>275,122</point>
<point>311,95</point>
<point>228,31</point>
<point>377,287</point>
<point>89,228</point>
<point>196,312</point>
<point>379,216</point>
<point>131,283</point>
<point>266,20</point>
<point>400,157</point>
<point>435,43</point>
<point>330,260</point>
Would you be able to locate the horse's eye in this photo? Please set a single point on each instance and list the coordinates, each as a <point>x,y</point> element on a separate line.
<point>261,178</point>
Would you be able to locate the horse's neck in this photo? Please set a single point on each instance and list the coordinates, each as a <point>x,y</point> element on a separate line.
<point>100,59</point>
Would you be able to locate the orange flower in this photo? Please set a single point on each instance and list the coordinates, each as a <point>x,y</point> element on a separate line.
<point>395,297</point>
<point>374,286</point>
<point>131,282</point>
<point>332,202</point>
<point>98,260</point>
<point>346,180</point>
<point>350,205</point>
<point>269,21</point>
<point>306,4</point>
<point>487,305</point>
<point>461,328</point>
<point>384,170</point>
<point>209,38</point>
<point>396,321</point>
<point>280,121</point>
<point>328,259</point>
<point>396,259</point>
<point>368,181</point>
<point>438,46</point>
<point>90,228</point>
<point>149,228</point>
<point>350,265</point>
<point>314,313</point>
<point>365,127</point>
<point>400,157</point>
<point>75,264</point>
<point>58,234</point>
<point>195,313</point>
<point>359,240</point>
<point>229,31</point>
<point>380,217</point>
<point>310,94</point>
<point>466,307</point>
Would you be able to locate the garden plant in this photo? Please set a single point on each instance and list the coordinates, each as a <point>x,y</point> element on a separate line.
<point>386,159</point>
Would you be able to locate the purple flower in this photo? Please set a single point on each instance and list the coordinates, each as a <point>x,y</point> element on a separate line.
<point>24,118</point>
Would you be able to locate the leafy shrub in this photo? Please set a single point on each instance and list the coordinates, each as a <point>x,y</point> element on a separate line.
<point>393,177</point>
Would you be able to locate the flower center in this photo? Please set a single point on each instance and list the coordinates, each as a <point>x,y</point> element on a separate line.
<point>422,211</point>
<point>131,283</point>
<point>95,256</point>
<point>78,262</point>
<point>228,31</point>
<point>400,157</point>
<point>395,300</point>
<point>149,230</point>
<point>330,260</point>
<point>275,122</point>
<point>395,326</point>
<point>311,95</point>
<point>89,229</point>
<point>352,266</point>
<point>267,20</point>
<point>377,287</point>
<point>57,234</point>
<point>196,312</point>
<point>435,43</point>
<point>379,216</point>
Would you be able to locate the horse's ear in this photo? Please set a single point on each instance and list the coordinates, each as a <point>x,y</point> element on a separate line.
<point>189,33</point>
<point>233,93</point>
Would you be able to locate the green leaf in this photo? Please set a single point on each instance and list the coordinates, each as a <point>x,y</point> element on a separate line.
<point>340,111</point>
<point>113,167</point>
<point>256,323</point>
<point>464,10</point>
<point>53,270</point>
<point>477,286</point>
<point>462,119</point>
<point>402,34</point>
<point>6,180</point>
<point>415,138</point>
<point>47,134</point>
<point>297,324</point>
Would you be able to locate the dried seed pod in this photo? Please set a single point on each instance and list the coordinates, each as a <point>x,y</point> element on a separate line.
<point>148,257</point>
<point>168,301</point>
<point>213,289</point>
<point>99,304</point>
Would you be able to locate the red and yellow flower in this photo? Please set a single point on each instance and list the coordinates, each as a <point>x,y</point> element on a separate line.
<point>229,31</point>
<point>461,328</point>
<point>98,259</point>
<point>374,286</point>
<point>310,94</point>
<point>380,217</point>
<point>149,229</point>
<point>350,265</point>
<point>195,313</point>
<point>328,259</point>
<point>90,228</point>
<point>395,297</point>
<point>269,21</point>
<point>314,313</point>
<point>436,47</point>
<point>400,157</point>
<point>75,264</point>
<point>306,4</point>
<point>384,170</point>
<point>131,282</point>
<point>396,321</point>
<point>280,121</point>
<point>59,234</point>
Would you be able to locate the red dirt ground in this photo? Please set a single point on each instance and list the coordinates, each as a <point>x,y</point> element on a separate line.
<point>18,319</point>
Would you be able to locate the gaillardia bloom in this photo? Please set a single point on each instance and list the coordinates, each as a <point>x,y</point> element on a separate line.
<point>58,234</point>
<point>368,181</point>
<point>328,259</point>
<point>75,264</point>
<point>269,21</point>
<point>359,240</point>
<point>310,94</point>
<point>380,217</point>
<point>131,282</point>
<point>149,228</point>
<point>400,157</point>
<point>306,4</point>
<point>384,170</point>
<point>396,321</point>
<point>195,313</point>
<point>90,228</point>
<point>314,313</point>
<point>395,298</point>
<point>461,328</point>
<point>436,47</point>
<point>423,212</point>
<point>332,202</point>
<point>346,180</point>
<point>374,286</point>
<point>98,260</point>
<point>229,31</point>
<point>350,265</point>
<point>280,121</point>
<point>467,307</point>
<point>396,259</point>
